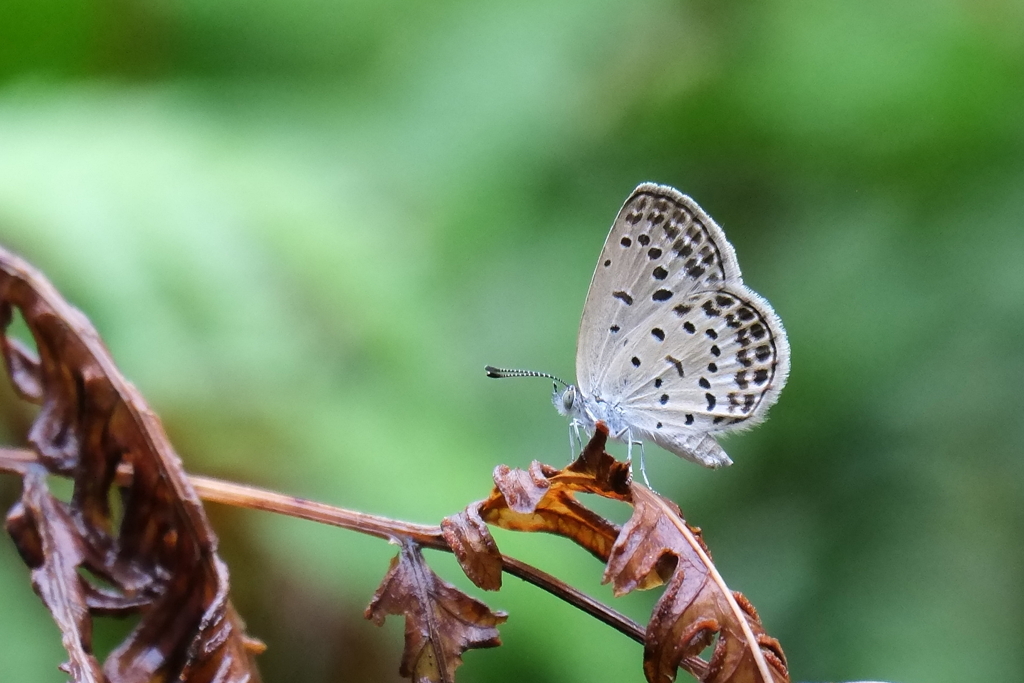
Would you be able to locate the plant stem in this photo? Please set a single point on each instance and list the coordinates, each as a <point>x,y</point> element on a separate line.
<point>16,460</point>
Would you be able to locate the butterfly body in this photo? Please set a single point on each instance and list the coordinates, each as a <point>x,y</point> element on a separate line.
<point>673,347</point>
<point>587,411</point>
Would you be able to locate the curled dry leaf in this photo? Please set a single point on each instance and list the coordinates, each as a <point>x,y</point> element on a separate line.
<point>474,547</point>
<point>49,544</point>
<point>696,606</point>
<point>162,562</point>
<point>441,622</point>
<point>544,499</point>
<point>655,547</point>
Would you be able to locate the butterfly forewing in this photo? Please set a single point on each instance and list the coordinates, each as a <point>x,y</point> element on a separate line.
<point>661,248</point>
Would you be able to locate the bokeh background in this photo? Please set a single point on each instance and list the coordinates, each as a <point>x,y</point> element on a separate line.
<point>303,228</point>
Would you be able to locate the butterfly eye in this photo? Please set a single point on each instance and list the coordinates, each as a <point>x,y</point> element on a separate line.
<point>568,398</point>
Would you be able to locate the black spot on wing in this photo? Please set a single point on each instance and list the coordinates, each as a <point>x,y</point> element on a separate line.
<point>624,297</point>
<point>682,248</point>
<point>677,364</point>
<point>675,223</point>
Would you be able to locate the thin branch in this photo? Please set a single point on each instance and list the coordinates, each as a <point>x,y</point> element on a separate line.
<point>240,495</point>
<point>16,460</point>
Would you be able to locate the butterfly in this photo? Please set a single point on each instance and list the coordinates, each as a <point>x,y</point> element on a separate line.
<point>673,348</point>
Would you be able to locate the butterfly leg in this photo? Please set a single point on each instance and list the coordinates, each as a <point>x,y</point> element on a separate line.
<point>574,431</point>
<point>643,470</point>
<point>629,455</point>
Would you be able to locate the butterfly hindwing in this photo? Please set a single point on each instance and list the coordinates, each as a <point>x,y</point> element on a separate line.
<point>719,367</point>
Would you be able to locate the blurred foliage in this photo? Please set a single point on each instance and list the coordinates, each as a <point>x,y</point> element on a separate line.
<point>303,228</point>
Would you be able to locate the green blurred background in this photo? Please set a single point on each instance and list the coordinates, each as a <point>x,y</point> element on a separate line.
<point>303,228</point>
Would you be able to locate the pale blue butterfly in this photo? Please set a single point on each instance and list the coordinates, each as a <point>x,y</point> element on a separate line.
<point>673,347</point>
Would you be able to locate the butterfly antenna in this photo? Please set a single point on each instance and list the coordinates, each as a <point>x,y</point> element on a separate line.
<point>501,373</point>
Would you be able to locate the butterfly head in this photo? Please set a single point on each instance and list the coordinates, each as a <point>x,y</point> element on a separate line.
<point>567,400</point>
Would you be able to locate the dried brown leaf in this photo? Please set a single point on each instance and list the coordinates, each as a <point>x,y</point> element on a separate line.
<point>474,547</point>
<point>696,606</point>
<point>23,369</point>
<point>544,499</point>
<point>441,622</point>
<point>46,537</point>
<point>162,562</point>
